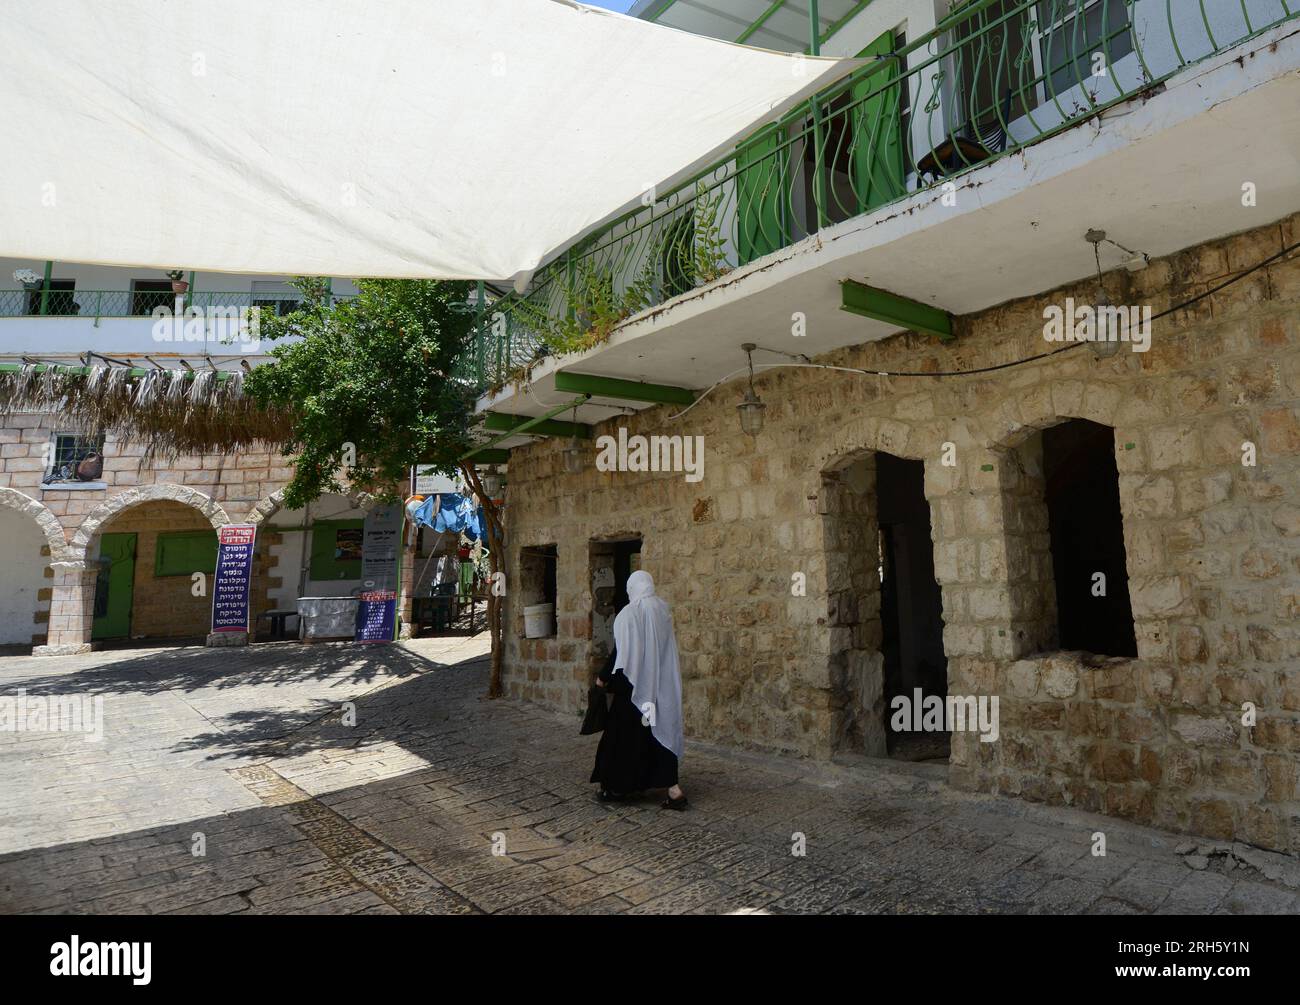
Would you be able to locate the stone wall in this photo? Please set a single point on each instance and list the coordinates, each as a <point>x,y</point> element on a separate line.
<point>167,606</point>
<point>1212,543</point>
<point>142,494</point>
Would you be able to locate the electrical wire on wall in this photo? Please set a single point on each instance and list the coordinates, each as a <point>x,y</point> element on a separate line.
<point>804,363</point>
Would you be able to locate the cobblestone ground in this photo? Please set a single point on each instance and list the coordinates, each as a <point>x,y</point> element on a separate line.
<point>244,756</point>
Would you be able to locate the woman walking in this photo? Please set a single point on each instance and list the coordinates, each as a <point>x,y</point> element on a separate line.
<point>642,743</point>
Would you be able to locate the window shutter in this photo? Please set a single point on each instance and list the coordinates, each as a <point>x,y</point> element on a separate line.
<point>185,553</point>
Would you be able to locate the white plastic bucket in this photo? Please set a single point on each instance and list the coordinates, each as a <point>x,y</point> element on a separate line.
<point>539,620</point>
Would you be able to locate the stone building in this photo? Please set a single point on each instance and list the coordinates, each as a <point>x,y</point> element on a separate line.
<point>111,554</point>
<point>941,497</point>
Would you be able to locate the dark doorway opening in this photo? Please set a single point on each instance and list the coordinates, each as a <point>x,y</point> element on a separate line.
<point>1087,539</point>
<point>58,300</point>
<point>627,560</point>
<point>911,604</point>
<point>610,562</point>
<point>147,295</point>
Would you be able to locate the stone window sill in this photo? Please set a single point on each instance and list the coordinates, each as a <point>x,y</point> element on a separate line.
<point>73,486</point>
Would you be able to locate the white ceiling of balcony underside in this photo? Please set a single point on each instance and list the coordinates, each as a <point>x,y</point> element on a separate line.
<point>1159,176</point>
<point>785,30</point>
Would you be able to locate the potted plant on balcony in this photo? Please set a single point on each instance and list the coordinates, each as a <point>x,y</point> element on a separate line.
<point>177,276</point>
<point>29,279</point>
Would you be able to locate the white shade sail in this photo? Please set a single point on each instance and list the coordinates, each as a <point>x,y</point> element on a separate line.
<point>416,138</point>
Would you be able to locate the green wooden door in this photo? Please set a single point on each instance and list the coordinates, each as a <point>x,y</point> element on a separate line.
<point>114,586</point>
<point>760,194</point>
<point>878,174</point>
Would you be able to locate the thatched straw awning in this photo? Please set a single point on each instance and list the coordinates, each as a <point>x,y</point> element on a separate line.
<point>171,412</point>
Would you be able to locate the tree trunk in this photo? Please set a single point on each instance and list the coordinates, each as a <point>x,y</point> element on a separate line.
<point>496,542</point>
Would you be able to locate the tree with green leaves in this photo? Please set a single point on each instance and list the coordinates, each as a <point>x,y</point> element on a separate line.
<point>371,383</point>
<point>372,388</point>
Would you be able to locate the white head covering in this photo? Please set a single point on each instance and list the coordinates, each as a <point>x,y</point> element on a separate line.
<point>647,655</point>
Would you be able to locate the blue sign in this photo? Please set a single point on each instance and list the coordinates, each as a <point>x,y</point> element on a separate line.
<point>380,545</point>
<point>377,616</point>
<point>234,577</point>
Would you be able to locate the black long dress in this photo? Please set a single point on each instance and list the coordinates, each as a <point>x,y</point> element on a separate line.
<point>629,759</point>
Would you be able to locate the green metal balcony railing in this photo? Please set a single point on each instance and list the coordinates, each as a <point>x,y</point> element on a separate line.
<point>57,302</point>
<point>994,77</point>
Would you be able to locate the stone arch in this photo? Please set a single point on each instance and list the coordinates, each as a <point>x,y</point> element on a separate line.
<point>165,492</point>
<point>1051,403</point>
<point>1018,462</point>
<point>49,524</point>
<point>848,509</point>
<point>862,436</point>
<point>274,502</point>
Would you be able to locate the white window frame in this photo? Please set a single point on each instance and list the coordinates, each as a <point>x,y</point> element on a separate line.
<point>1041,34</point>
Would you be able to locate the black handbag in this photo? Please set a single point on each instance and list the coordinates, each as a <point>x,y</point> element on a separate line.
<point>597,711</point>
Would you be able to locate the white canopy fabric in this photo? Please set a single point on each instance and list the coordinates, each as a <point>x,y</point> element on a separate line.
<point>410,138</point>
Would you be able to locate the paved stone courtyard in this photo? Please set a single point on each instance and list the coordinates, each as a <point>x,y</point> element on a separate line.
<point>229,782</point>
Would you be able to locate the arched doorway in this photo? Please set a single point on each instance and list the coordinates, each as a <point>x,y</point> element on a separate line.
<point>315,554</point>
<point>885,608</point>
<point>150,557</point>
<point>33,539</point>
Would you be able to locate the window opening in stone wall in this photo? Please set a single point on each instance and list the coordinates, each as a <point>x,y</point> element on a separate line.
<point>537,588</point>
<point>1086,529</point>
<point>610,562</point>
<point>75,457</point>
<point>911,606</point>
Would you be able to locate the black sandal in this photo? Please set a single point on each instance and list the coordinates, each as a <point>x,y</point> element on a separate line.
<point>674,804</point>
<point>608,797</point>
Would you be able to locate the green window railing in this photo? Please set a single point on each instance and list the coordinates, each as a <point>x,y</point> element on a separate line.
<point>994,77</point>
<point>62,302</point>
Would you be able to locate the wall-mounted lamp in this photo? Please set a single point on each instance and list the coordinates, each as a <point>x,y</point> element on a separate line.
<point>573,459</point>
<point>1105,343</point>
<point>490,479</point>
<point>750,407</point>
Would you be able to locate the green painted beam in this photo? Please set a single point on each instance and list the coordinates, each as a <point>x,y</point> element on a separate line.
<point>854,12</point>
<point>486,456</point>
<point>83,371</point>
<point>630,390</point>
<point>881,305</point>
<point>661,11</point>
<point>524,424</point>
<point>762,20</point>
<point>45,288</point>
<point>498,422</point>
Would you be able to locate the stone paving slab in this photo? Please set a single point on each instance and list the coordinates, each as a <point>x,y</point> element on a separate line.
<point>436,800</point>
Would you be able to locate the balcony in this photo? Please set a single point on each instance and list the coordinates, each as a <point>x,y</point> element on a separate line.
<point>97,304</point>
<point>949,170</point>
<point>65,320</point>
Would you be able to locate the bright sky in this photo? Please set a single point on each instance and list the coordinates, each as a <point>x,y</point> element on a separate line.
<point>619,5</point>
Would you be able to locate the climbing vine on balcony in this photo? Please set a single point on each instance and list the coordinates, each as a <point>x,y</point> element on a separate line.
<point>689,250</point>
<point>592,307</point>
<point>710,247</point>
